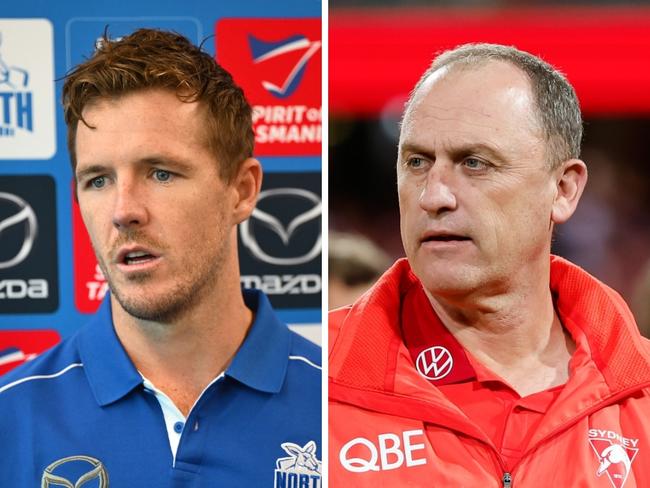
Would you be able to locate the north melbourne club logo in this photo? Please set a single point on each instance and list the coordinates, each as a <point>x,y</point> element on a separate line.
<point>615,455</point>
<point>27,117</point>
<point>434,363</point>
<point>300,469</point>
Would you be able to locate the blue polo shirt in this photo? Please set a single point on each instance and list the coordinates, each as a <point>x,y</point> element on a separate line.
<point>80,414</point>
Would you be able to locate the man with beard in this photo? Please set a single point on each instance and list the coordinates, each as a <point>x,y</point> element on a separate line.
<point>481,360</point>
<point>181,379</point>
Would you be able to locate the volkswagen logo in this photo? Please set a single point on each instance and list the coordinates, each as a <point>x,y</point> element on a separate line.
<point>26,215</point>
<point>95,471</point>
<point>434,363</point>
<point>283,231</point>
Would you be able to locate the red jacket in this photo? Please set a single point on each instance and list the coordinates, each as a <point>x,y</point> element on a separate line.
<point>390,427</point>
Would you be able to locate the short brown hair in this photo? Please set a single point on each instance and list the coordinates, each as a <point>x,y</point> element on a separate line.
<point>150,58</point>
<point>556,103</point>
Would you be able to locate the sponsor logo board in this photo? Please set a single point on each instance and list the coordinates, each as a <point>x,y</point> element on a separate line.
<point>277,62</point>
<point>90,285</point>
<point>280,244</point>
<point>27,106</point>
<point>28,245</point>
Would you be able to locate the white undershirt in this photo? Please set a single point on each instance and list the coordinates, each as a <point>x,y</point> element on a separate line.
<point>174,419</point>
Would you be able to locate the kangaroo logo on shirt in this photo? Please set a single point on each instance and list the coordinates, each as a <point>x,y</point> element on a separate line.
<point>75,472</point>
<point>615,454</point>
<point>301,469</point>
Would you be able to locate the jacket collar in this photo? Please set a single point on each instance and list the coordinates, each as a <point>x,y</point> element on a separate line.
<point>370,332</point>
<point>260,363</point>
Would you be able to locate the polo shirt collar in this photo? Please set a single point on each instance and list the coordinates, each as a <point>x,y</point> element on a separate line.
<point>262,360</point>
<point>109,369</point>
<point>436,353</point>
<point>260,363</point>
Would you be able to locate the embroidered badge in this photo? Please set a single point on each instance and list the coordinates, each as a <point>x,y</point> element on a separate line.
<point>615,454</point>
<point>301,468</point>
<point>435,363</point>
<point>74,472</point>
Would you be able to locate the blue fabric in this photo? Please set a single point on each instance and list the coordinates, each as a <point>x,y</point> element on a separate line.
<point>83,403</point>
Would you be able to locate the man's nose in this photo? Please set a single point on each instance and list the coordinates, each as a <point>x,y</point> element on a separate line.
<point>438,194</point>
<point>129,210</point>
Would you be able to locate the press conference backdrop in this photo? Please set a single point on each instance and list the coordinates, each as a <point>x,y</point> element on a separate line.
<point>49,278</point>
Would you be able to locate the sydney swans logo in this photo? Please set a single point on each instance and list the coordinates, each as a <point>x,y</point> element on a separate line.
<point>615,455</point>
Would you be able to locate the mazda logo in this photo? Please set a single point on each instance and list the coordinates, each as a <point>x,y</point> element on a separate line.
<point>96,471</point>
<point>283,231</point>
<point>25,215</point>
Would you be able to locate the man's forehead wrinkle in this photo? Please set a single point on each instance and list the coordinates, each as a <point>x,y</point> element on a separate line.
<point>456,114</point>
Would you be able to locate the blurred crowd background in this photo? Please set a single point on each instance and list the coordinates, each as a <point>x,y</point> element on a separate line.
<point>603,49</point>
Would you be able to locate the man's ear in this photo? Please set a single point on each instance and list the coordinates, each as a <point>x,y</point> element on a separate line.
<point>246,183</point>
<point>570,183</point>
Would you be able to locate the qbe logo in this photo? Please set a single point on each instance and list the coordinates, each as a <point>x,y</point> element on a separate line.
<point>388,451</point>
<point>27,118</point>
<point>90,285</point>
<point>280,244</point>
<point>277,62</point>
<point>28,249</point>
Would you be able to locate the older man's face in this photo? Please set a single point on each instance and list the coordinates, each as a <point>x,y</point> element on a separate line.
<point>475,188</point>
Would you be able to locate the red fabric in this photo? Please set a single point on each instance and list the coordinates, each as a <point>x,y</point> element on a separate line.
<point>500,412</point>
<point>377,398</point>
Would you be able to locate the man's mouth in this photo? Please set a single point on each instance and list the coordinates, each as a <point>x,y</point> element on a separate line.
<point>444,237</point>
<point>135,257</point>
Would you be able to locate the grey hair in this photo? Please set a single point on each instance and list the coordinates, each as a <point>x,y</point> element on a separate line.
<point>556,103</point>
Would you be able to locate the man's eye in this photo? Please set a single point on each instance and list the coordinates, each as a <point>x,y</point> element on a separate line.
<point>473,163</point>
<point>415,162</point>
<point>98,182</point>
<point>162,175</point>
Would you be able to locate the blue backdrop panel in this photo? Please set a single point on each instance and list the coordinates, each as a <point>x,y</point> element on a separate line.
<point>49,281</point>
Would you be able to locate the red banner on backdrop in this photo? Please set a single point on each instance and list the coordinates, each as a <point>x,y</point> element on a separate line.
<point>90,286</point>
<point>277,62</point>
<point>377,56</point>
<point>19,346</point>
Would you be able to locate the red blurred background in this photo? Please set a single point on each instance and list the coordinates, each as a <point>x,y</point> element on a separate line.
<point>377,54</point>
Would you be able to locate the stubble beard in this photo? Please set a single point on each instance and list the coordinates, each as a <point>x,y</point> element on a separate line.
<point>170,305</point>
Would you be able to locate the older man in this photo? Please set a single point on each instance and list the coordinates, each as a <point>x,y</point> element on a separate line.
<point>482,360</point>
<point>181,379</point>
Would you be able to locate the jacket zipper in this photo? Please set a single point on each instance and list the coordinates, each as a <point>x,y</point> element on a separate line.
<point>507,480</point>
